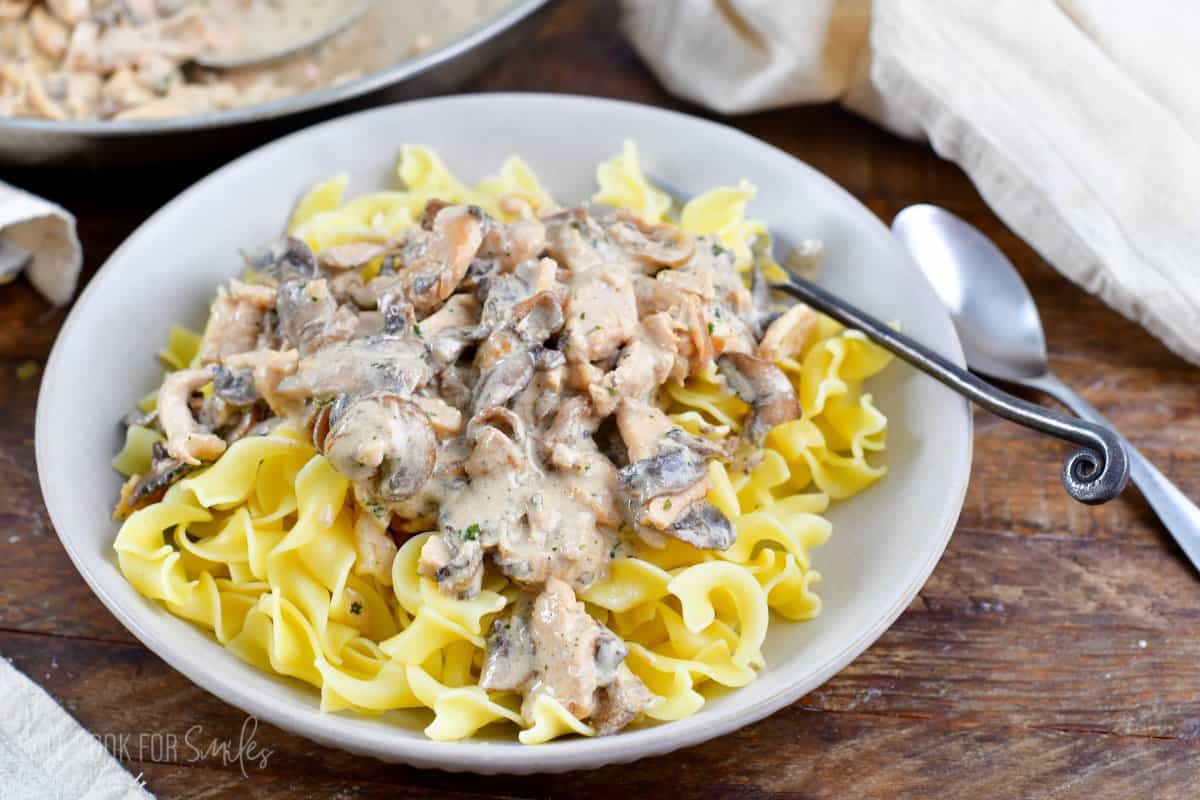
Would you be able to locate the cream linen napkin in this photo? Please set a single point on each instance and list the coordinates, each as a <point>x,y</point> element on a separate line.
<point>45,755</point>
<point>38,237</point>
<point>1078,120</point>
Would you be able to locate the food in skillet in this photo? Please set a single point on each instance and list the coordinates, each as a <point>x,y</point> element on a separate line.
<point>130,59</point>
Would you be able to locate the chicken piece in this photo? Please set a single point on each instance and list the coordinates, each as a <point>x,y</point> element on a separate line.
<point>187,441</point>
<point>698,345</point>
<point>270,368</point>
<point>236,321</point>
<point>446,420</point>
<point>513,244</point>
<point>49,33</point>
<point>376,550</point>
<point>564,644</point>
<point>455,562</point>
<point>38,98</point>
<point>459,311</point>
<point>13,9</point>
<point>446,253</point>
<point>787,335</point>
<point>642,427</point>
<point>601,313</point>
<point>663,512</point>
<point>641,369</point>
<point>353,255</point>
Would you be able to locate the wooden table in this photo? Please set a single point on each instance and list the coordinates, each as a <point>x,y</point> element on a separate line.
<point>1052,653</point>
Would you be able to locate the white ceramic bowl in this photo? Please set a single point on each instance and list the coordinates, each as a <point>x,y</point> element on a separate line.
<point>885,543</point>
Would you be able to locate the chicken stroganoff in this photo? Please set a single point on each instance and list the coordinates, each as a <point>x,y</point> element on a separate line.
<point>503,459</point>
<point>130,59</point>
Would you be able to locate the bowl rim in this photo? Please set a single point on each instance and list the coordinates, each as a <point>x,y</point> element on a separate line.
<point>403,70</point>
<point>487,757</point>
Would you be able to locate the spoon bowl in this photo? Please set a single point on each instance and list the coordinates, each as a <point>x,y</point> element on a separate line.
<point>993,312</point>
<point>1001,334</point>
<point>352,12</point>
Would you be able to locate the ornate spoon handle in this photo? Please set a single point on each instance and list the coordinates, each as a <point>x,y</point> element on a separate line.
<point>1095,474</point>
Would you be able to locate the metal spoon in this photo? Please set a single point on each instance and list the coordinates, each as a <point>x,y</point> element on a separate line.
<point>1096,474</point>
<point>354,11</point>
<point>1001,333</point>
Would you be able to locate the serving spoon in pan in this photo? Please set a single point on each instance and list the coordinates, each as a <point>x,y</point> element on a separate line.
<point>341,15</point>
<point>1094,474</point>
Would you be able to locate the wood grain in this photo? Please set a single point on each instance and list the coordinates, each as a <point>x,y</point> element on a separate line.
<point>1052,653</point>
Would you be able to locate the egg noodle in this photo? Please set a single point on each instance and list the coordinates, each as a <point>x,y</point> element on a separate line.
<point>259,546</point>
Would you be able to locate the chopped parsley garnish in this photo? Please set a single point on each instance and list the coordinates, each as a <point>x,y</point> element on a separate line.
<point>471,533</point>
<point>711,328</point>
<point>667,506</point>
<point>717,250</point>
<point>416,329</point>
<point>356,608</point>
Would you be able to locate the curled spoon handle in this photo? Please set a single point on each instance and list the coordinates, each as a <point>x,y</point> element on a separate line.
<point>1095,474</point>
<point>1179,515</point>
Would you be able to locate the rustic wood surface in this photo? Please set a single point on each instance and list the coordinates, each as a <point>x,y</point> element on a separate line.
<point>1052,653</point>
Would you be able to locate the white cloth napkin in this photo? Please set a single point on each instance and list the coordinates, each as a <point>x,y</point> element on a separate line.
<point>1078,120</point>
<point>38,237</point>
<point>45,755</point>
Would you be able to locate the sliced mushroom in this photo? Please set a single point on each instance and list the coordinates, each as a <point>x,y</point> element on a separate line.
<point>395,365</point>
<point>270,369</point>
<point>704,526</point>
<point>432,207</point>
<point>186,439</point>
<point>287,259</point>
<point>669,472</point>
<point>508,665</point>
<point>620,702</point>
<point>760,313</point>
<point>501,295</point>
<point>310,318</point>
<point>142,490</point>
<point>235,386</point>
<point>382,441</point>
<point>398,316</point>
<point>503,382</point>
<point>764,386</point>
<point>663,245</point>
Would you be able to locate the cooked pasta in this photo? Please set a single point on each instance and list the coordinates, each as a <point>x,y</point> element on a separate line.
<point>592,544</point>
